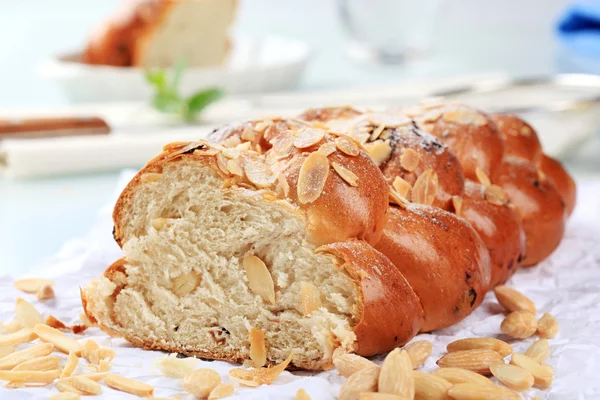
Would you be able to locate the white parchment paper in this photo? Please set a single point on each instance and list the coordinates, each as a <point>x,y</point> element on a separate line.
<point>566,285</point>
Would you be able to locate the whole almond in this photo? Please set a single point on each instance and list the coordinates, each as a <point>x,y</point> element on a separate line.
<point>380,396</point>
<point>348,364</point>
<point>542,373</point>
<point>418,352</point>
<point>430,387</point>
<point>547,326</point>
<point>396,374</point>
<point>477,360</point>
<point>539,351</point>
<point>460,375</point>
<point>512,376</point>
<point>469,391</point>
<point>497,345</point>
<point>519,324</point>
<point>362,381</point>
<point>513,300</point>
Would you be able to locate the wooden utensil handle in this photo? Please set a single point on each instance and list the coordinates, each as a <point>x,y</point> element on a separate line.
<point>52,127</point>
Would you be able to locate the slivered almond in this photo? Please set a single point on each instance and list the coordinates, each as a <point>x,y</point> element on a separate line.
<point>159,223</point>
<point>348,364</point>
<point>425,188</point>
<point>26,314</point>
<point>88,348</point>
<point>65,396</point>
<point>482,177</point>
<point>29,376</point>
<point>469,391</point>
<point>71,364</point>
<point>380,396</point>
<point>513,300</point>
<point>519,324</point>
<point>302,395</point>
<point>362,381</point>
<point>465,116</point>
<point>24,335</point>
<point>222,391</point>
<point>128,385</point>
<point>499,346</point>
<point>308,137</point>
<point>402,187</point>
<point>346,145</point>
<point>409,159</point>
<point>347,175</point>
<point>327,148</point>
<point>102,354</point>
<point>86,385</point>
<point>6,350</point>
<point>103,366</point>
<point>222,163</point>
<point>61,341</point>
<point>396,375</point>
<point>31,285</point>
<point>477,360</point>
<point>457,202</point>
<point>513,377</point>
<point>311,298</point>
<point>11,327</point>
<point>201,382</point>
<point>312,178</point>
<point>150,177</point>
<point>55,323</point>
<point>542,373</point>
<point>186,283</point>
<point>379,150</point>
<point>67,387</point>
<point>46,363</point>
<point>460,375</point>
<point>260,280</point>
<point>547,326</point>
<point>12,360</point>
<point>539,350</point>
<point>418,352</point>
<point>430,387</point>
<point>259,173</point>
<point>235,167</point>
<point>46,292</point>
<point>258,349</point>
<point>259,376</point>
<point>495,195</point>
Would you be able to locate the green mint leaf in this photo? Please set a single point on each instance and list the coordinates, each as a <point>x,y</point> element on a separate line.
<point>201,100</point>
<point>156,77</point>
<point>178,74</point>
<point>166,103</point>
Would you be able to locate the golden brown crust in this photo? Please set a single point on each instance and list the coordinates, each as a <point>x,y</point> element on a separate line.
<point>390,313</point>
<point>442,258</point>
<point>500,228</point>
<point>540,206</point>
<point>520,139</point>
<point>562,181</point>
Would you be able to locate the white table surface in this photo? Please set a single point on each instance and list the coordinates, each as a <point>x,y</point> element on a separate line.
<point>37,216</point>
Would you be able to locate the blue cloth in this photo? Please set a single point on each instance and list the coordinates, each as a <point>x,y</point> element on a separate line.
<point>579,28</point>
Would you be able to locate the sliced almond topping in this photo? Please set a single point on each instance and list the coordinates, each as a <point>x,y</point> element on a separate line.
<point>513,300</point>
<point>46,363</point>
<point>282,144</point>
<point>206,152</point>
<point>311,298</point>
<point>465,117</point>
<point>539,351</point>
<point>362,381</point>
<point>516,378</point>
<point>379,150</point>
<point>482,177</point>
<point>12,360</point>
<point>259,376</point>
<point>234,140</point>
<point>376,133</point>
<point>222,163</point>
<point>396,375</point>
<point>347,175</point>
<point>388,120</point>
<point>432,103</point>
<point>262,125</point>
<point>499,346</point>
<point>186,283</point>
<point>86,385</point>
<point>31,285</point>
<point>425,188</point>
<point>128,385</point>
<point>327,148</point>
<point>221,391</point>
<point>402,187</point>
<point>418,352</point>
<point>61,341</point>
<point>258,349</point>
<point>348,364</point>
<point>409,160</point>
<point>249,134</point>
<point>495,195</point>
<point>431,116</point>
<point>547,326</point>
<point>259,278</point>
<point>308,137</point>
<point>259,173</point>
<point>235,167</point>
<point>395,198</point>
<point>174,367</point>
<point>24,335</point>
<point>312,178</point>
<point>29,376</point>
<point>283,185</point>
<point>159,223</point>
<point>26,314</point>
<point>71,364</point>
<point>346,145</point>
<point>526,131</point>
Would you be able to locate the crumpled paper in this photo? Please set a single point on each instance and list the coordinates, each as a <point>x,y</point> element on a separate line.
<point>566,285</point>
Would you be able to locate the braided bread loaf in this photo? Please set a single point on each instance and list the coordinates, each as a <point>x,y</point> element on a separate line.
<point>301,229</point>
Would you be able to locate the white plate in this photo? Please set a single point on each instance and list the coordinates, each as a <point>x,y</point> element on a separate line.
<point>254,65</point>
